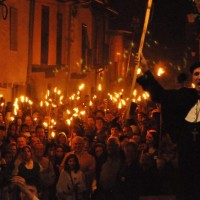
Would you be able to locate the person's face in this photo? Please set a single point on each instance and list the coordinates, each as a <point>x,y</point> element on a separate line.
<point>59,152</point>
<point>13,130</point>
<point>149,138</point>
<point>114,131</point>
<point>34,140</point>
<point>13,149</point>
<point>196,78</point>
<point>41,134</point>
<point>62,139</point>
<point>71,162</point>
<point>27,154</point>
<point>99,124</point>
<point>78,145</point>
<point>39,150</point>
<point>127,131</point>
<point>91,121</point>
<point>21,142</point>
<point>35,115</point>
<point>98,151</point>
<point>19,121</point>
<point>28,121</point>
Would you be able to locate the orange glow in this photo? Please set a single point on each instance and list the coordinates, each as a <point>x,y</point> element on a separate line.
<point>139,71</point>
<point>53,134</point>
<point>81,86</point>
<point>160,71</point>
<point>160,68</point>
<point>99,87</point>
<point>193,85</point>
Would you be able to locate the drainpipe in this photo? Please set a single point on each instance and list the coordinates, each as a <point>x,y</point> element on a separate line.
<point>30,47</point>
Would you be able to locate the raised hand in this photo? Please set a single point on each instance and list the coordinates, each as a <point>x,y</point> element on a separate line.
<point>142,62</point>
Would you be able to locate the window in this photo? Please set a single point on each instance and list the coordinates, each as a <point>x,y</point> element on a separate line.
<point>13,29</point>
<point>45,35</point>
<point>85,47</point>
<point>59,39</point>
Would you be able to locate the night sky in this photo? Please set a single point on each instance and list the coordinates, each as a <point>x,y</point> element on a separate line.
<point>167,24</point>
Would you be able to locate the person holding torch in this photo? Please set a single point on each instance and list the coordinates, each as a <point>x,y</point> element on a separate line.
<point>180,111</point>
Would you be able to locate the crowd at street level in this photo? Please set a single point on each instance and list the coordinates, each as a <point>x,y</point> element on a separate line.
<point>101,156</point>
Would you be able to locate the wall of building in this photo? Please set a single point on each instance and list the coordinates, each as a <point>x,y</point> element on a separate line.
<point>13,63</point>
<point>83,16</point>
<point>39,80</point>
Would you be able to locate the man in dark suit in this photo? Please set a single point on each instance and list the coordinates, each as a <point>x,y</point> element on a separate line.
<point>181,119</point>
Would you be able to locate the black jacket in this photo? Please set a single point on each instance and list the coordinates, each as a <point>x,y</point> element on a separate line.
<point>175,103</point>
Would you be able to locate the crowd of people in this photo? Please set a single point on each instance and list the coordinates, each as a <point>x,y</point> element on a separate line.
<point>102,156</point>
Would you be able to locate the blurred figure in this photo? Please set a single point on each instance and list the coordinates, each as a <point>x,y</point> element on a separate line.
<point>148,160</point>
<point>109,172</point>
<point>101,131</point>
<point>59,155</point>
<point>27,191</point>
<point>11,133</point>
<point>100,155</point>
<point>47,174</point>
<point>130,175</point>
<point>2,138</point>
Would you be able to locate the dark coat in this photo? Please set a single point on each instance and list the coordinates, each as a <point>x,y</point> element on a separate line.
<point>129,182</point>
<point>175,103</point>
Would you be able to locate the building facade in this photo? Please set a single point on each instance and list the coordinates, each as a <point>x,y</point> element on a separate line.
<point>53,43</point>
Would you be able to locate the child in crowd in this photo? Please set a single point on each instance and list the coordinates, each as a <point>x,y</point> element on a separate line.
<point>71,184</point>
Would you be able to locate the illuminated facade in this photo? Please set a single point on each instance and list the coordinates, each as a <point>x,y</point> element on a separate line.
<point>52,43</point>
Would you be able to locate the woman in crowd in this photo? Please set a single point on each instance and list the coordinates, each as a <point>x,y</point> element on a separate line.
<point>71,184</point>
<point>28,169</point>
<point>86,160</point>
<point>62,140</point>
<point>59,155</point>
